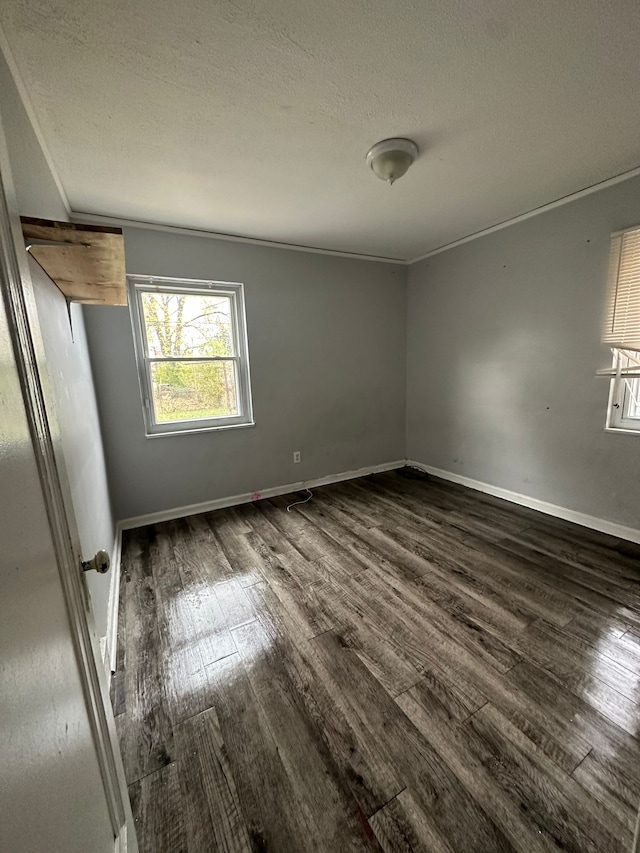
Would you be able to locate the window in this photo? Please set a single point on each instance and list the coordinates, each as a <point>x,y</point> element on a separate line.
<point>622,332</point>
<point>193,360</point>
<point>624,395</point>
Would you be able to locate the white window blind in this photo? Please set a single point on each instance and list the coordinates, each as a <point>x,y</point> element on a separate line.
<point>622,322</point>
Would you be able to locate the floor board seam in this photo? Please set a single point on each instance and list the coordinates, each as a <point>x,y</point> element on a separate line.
<point>580,762</point>
<point>473,713</point>
<point>407,689</point>
<point>151,773</point>
<point>321,634</point>
<point>222,657</point>
<point>384,805</point>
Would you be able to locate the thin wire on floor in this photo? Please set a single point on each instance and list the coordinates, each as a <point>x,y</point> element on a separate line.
<point>306,500</point>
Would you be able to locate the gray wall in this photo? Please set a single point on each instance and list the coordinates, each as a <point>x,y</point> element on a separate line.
<point>503,344</point>
<point>35,188</point>
<point>327,354</point>
<point>72,393</point>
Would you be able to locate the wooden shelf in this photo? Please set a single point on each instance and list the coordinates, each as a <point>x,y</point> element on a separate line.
<point>85,261</point>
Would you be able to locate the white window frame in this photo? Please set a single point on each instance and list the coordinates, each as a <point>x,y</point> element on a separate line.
<point>621,399</point>
<point>621,331</point>
<point>139,284</point>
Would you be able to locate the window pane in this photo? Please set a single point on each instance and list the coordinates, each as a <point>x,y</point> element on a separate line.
<point>190,390</point>
<point>633,398</point>
<point>190,325</point>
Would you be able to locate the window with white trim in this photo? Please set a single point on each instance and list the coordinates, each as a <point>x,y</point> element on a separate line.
<point>193,358</point>
<point>622,332</point>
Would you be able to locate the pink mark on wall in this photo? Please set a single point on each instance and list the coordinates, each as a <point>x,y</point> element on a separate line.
<point>255,496</point>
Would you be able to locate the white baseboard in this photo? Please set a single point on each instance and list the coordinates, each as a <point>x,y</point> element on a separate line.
<point>235,500</point>
<point>111,638</point>
<point>104,658</point>
<point>121,843</point>
<point>613,528</point>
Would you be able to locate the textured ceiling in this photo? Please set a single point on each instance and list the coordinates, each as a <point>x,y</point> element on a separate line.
<point>254,118</point>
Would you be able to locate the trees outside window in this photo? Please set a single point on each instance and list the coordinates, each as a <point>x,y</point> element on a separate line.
<point>192,354</point>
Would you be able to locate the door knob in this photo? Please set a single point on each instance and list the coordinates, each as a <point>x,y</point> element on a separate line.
<point>100,563</point>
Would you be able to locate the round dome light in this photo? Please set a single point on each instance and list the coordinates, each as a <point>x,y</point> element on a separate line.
<point>390,158</point>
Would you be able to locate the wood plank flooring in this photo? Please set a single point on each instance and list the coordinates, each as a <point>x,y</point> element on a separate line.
<point>400,664</point>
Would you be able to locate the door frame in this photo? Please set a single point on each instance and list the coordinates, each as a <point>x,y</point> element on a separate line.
<point>17,294</point>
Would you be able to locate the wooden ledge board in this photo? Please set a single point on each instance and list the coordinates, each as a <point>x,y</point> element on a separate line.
<point>91,269</point>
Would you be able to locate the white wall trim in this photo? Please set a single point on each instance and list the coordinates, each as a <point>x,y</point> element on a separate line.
<point>636,835</point>
<point>248,497</point>
<point>111,644</point>
<point>94,218</point>
<point>601,185</point>
<point>28,106</point>
<point>601,524</point>
<point>81,216</point>
<point>121,844</point>
<point>121,222</point>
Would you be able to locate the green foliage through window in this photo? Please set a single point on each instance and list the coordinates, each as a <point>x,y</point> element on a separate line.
<point>187,325</point>
<point>192,353</point>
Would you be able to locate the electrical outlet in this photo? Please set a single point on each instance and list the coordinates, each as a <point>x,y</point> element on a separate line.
<point>296,455</point>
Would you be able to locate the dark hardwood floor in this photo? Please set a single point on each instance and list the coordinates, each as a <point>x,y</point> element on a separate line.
<point>399,664</point>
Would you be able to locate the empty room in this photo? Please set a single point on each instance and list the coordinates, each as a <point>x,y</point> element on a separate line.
<point>319,396</point>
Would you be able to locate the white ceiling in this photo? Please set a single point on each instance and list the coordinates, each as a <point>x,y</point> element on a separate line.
<point>254,118</point>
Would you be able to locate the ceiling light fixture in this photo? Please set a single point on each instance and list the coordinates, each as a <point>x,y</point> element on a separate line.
<point>390,158</point>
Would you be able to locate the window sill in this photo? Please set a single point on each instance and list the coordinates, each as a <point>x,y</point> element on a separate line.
<point>622,431</point>
<point>198,430</point>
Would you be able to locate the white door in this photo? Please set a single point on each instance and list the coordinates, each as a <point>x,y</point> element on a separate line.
<point>62,787</point>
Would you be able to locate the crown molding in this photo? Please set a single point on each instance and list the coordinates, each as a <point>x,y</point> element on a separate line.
<point>81,216</point>
<point>536,211</point>
<point>98,219</point>
<point>31,115</point>
<point>551,205</point>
